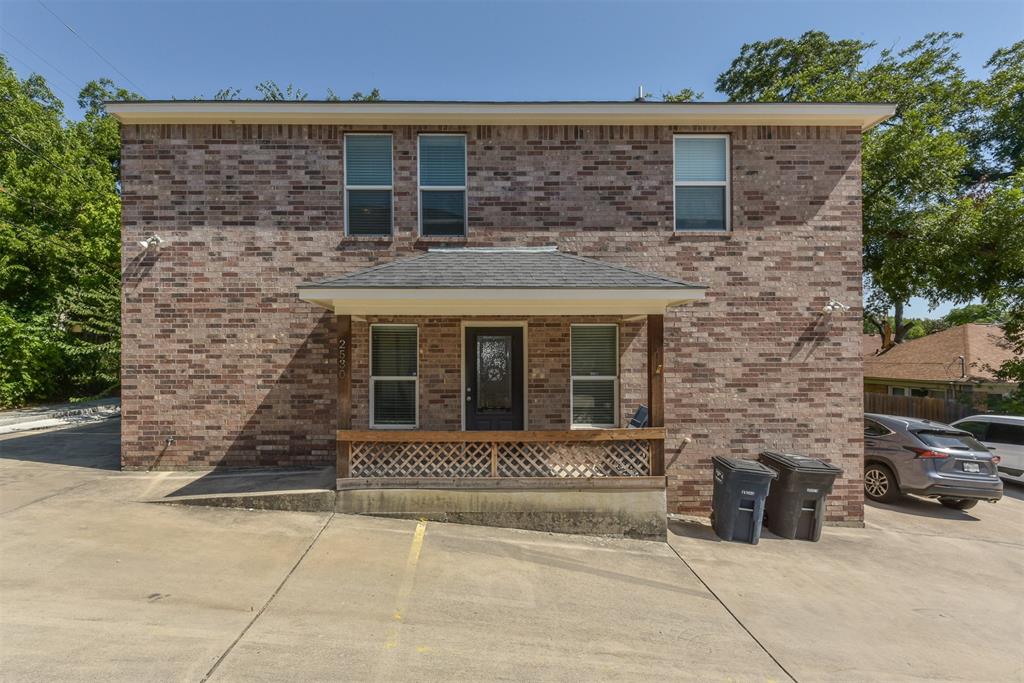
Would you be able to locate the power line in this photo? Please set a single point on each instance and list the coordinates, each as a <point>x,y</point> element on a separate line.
<point>32,202</point>
<point>32,70</point>
<point>84,42</point>
<point>103,267</point>
<point>41,58</point>
<point>74,176</point>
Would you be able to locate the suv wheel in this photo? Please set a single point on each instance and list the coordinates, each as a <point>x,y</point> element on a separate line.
<point>880,483</point>
<point>958,503</point>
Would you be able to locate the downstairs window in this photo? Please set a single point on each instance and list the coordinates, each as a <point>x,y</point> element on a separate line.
<point>393,376</point>
<point>595,375</point>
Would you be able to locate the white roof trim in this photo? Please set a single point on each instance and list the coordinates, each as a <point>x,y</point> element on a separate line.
<point>864,115</point>
<point>458,302</point>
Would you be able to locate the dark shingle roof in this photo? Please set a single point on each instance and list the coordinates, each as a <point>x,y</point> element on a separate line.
<point>499,269</point>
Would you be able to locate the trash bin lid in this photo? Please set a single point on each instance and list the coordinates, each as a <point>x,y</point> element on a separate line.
<point>800,463</point>
<point>741,465</point>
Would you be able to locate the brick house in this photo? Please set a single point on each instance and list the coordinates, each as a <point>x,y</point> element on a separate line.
<point>957,364</point>
<point>463,304</point>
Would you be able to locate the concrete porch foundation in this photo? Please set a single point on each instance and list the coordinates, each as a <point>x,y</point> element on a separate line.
<point>631,508</point>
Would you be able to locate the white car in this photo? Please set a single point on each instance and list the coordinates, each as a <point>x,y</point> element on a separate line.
<point>1004,436</point>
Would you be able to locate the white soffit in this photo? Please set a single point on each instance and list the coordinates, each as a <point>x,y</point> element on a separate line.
<point>459,302</point>
<point>864,115</point>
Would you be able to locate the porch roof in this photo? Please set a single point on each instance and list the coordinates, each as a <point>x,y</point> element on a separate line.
<point>492,281</point>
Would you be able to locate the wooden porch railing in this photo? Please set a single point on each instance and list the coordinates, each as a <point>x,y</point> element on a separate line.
<point>578,453</point>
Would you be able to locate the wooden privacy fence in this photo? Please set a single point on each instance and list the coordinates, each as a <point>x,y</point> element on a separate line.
<point>583,453</point>
<point>916,406</point>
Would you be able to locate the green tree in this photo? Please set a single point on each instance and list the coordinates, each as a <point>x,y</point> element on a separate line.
<point>684,95</point>
<point>993,312</point>
<point>920,200</point>
<point>999,137</point>
<point>372,96</point>
<point>59,241</point>
<point>271,91</point>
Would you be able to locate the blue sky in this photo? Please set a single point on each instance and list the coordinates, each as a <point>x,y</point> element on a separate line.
<point>455,50</point>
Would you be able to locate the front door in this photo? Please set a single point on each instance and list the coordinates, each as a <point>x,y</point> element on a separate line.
<point>494,378</point>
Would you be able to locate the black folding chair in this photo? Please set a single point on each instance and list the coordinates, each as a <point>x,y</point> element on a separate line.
<point>639,418</point>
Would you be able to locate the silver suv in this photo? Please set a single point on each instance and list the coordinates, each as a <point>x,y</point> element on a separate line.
<point>925,458</point>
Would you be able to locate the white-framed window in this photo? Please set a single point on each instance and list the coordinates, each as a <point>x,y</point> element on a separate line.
<point>897,391</point>
<point>442,184</point>
<point>594,394</point>
<point>701,182</point>
<point>394,384</point>
<point>369,184</point>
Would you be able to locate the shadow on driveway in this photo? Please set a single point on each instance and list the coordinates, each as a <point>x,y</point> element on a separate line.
<point>224,481</point>
<point>922,507</point>
<point>96,445</point>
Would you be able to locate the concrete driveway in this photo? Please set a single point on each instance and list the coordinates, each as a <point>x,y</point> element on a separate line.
<point>97,585</point>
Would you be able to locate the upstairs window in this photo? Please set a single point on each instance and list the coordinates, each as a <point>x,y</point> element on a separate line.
<point>368,184</point>
<point>393,376</point>
<point>595,375</point>
<point>442,184</point>
<point>702,182</point>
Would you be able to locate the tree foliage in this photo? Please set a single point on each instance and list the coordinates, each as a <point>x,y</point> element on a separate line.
<point>59,242</point>
<point>683,95</point>
<point>60,215</point>
<point>939,181</point>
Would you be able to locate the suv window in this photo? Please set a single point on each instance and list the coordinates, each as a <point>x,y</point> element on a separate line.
<point>976,428</point>
<point>872,428</point>
<point>1004,433</point>
<point>955,440</point>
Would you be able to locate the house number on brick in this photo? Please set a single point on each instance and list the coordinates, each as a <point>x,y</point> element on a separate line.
<point>342,357</point>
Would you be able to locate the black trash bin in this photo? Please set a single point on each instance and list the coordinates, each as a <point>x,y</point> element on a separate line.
<point>796,504</point>
<point>741,487</point>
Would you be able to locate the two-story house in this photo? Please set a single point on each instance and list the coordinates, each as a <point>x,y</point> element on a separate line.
<point>463,304</point>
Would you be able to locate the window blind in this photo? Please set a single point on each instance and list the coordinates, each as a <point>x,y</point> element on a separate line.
<point>442,184</point>
<point>700,159</point>
<point>394,351</point>
<point>368,160</point>
<point>595,367</point>
<point>393,367</point>
<point>700,208</point>
<point>368,189</point>
<point>593,402</point>
<point>593,350</point>
<point>442,161</point>
<point>701,178</point>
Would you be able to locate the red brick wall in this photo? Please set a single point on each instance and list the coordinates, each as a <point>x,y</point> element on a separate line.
<point>220,354</point>
<point>547,380</point>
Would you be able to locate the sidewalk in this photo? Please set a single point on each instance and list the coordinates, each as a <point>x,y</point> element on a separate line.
<point>58,415</point>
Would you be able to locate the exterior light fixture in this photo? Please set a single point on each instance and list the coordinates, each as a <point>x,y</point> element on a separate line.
<point>151,241</point>
<point>834,306</point>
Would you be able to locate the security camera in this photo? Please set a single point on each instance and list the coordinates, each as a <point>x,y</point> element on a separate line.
<point>151,241</point>
<point>834,306</point>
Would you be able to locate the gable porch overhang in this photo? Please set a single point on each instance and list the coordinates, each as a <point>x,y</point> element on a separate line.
<point>474,282</point>
<point>534,473</point>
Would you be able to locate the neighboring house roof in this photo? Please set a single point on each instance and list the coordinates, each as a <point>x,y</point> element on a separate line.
<point>936,357</point>
<point>871,344</point>
<point>862,114</point>
<point>513,281</point>
<point>484,268</point>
